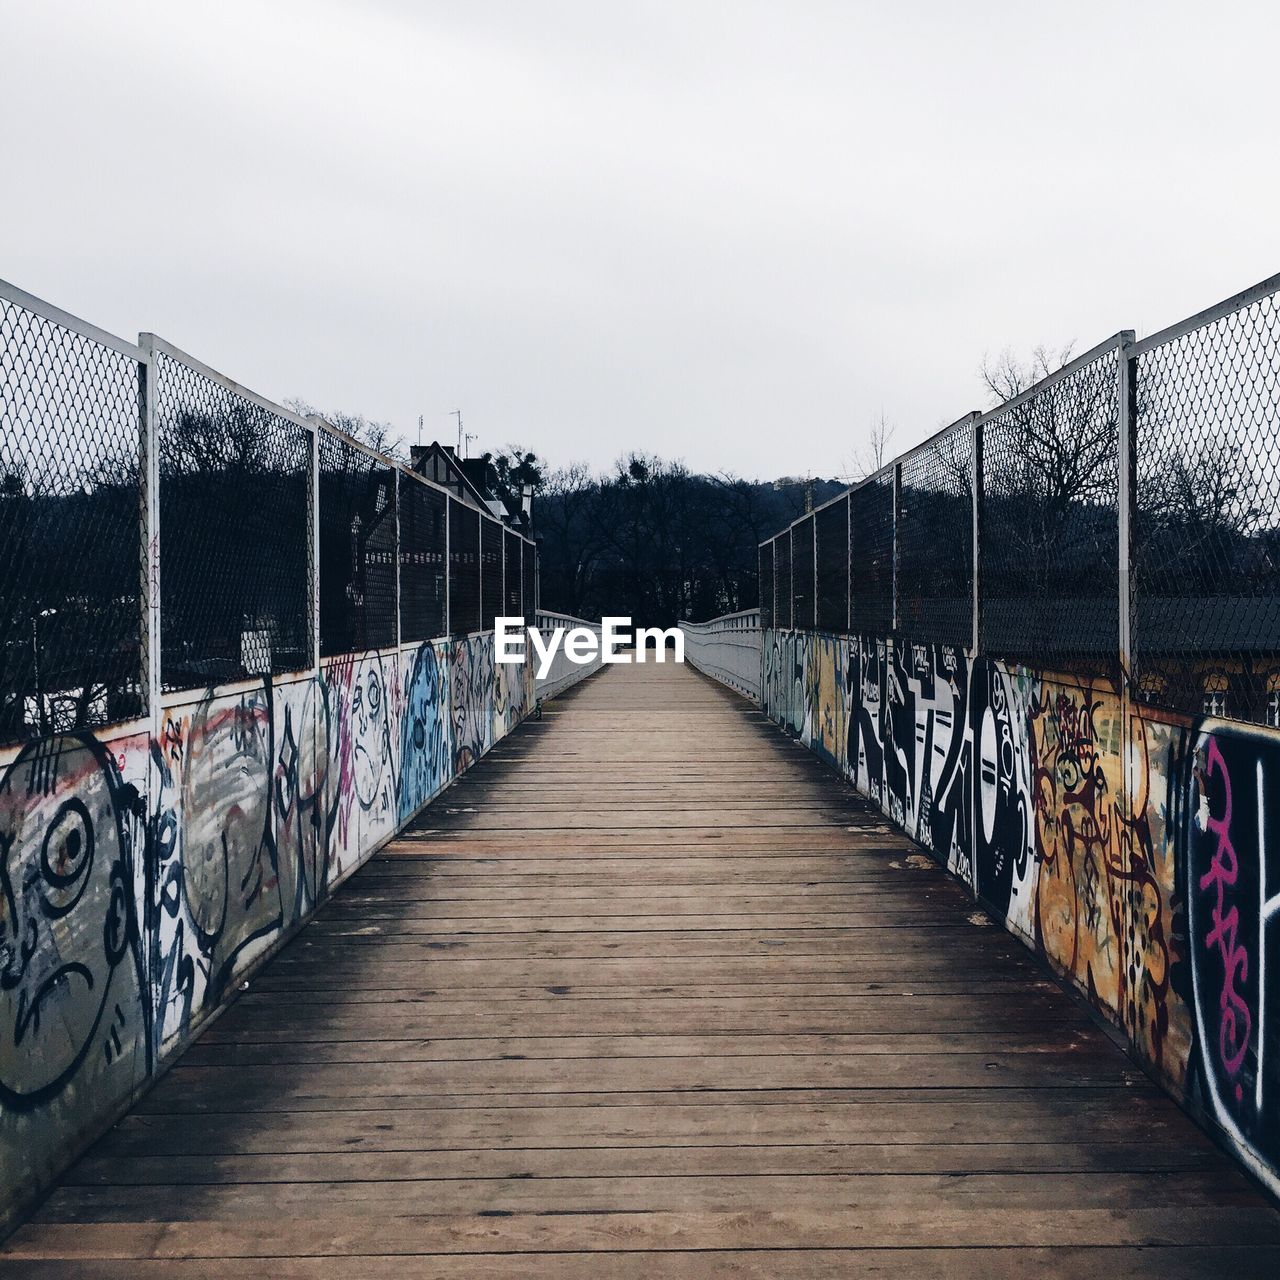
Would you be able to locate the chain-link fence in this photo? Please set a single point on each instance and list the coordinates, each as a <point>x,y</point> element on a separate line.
<point>871,552</point>
<point>491,574</point>
<point>1193,496</point>
<point>802,565</point>
<point>766,583</point>
<point>782,579</point>
<point>464,568</point>
<point>1206,523</point>
<point>512,603</point>
<point>935,540</point>
<point>357,547</point>
<point>1050,493</point>
<point>234,530</point>
<point>71,640</point>
<point>831,530</point>
<point>423,573</point>
<point>529,574</point>
<point>138,484</point>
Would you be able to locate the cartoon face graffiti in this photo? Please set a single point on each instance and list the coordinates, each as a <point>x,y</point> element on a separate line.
<point>368,732</point>
<point>229,875</point>
<point>66,911</point>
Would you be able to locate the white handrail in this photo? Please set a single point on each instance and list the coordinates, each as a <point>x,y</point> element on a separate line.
<point>728,649</point>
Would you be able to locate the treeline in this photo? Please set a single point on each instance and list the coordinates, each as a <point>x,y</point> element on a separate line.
<point>652,539</point>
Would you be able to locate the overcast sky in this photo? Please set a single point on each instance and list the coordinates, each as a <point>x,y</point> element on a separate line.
<point>733,233</point>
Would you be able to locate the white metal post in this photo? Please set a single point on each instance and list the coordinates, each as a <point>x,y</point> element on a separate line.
<point>395,498</point>
<point>313,534</point>
<point>448,567</point>
<point>897,504</point>
<point>480,568</point>
<point>848,559</point>
<point>148,372</point>
<point>813,621</point>
<point>1126,489</point>
<point>975,491</point>
<point>1126,479</point>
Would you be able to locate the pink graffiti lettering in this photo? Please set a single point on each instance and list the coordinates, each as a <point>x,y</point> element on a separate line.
<point>1236,1023</point>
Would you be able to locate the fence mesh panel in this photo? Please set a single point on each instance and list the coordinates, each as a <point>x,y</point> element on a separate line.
<point>766,584</point>
<point>512,606</point>
<point>1049,550</point>
<point>234,537</point>
<point>529,571</point>
<point>1206,524</point>
<point>832,527</point>
<point>464,568</point>
<point>70,529</point>
<point>782,579</point>
<point>871,556</point>
<point>357,548</point>
<point>802,593</point>
<point>423,511</point>
<point>491,570</point>
<point>935,541</point>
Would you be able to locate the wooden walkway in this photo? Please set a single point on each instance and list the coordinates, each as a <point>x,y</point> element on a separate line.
<point>652,993</point>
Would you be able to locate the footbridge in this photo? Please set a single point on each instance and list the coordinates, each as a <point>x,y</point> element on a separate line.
<point>922,922</point>
<point>651,992</point>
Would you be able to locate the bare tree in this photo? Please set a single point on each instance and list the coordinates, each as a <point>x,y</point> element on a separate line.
<point>869,457</point>
<point>1006,376</point>
<point>382,437</point>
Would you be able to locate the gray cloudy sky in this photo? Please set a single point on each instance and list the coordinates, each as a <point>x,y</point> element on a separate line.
<point>728,232</point>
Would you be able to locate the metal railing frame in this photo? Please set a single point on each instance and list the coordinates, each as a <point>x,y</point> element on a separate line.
<point>146,353</point>
<point>1126,349</point>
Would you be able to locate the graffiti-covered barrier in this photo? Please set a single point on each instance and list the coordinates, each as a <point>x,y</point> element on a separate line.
<point>144,877</point>
<point>1140,858</point>
<point>238,650</point>
<point>727,649</point>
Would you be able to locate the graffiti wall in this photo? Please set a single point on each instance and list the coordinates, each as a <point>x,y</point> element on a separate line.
<point>142,876</point>
<point>1140,859</point>
<point>74,998</point>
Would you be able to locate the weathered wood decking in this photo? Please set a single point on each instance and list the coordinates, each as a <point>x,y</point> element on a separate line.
<point>652,993</point>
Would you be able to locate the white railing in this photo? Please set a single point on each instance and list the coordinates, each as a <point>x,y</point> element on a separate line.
<point>564,673</point>
<point>727,648</point>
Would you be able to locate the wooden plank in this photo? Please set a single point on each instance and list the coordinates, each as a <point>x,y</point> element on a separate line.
<point>950,1120</point>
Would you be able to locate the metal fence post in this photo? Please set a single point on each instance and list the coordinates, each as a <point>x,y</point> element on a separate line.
<point>848,555</point>
<point>813,610</point>
<point>149,473</point>
<point>313,526</point>
<point>1126,488</point>
<point>448,570</point>
<point>976,502</point>
<point>897,511</point>
<point>395,498</point>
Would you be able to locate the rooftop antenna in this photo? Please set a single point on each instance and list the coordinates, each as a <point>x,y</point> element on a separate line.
<point>457,413</point>
<point>419,431</point>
